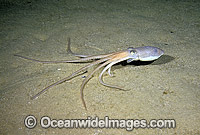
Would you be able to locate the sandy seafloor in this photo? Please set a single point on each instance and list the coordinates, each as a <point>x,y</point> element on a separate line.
<point>168,88</point>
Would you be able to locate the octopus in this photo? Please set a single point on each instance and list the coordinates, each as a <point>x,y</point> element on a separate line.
<point>145,53</point>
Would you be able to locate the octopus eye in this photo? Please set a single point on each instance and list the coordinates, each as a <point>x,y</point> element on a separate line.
<point>132,52</point>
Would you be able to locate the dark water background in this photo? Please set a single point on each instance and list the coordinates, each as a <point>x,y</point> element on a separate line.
<point>168,88</point>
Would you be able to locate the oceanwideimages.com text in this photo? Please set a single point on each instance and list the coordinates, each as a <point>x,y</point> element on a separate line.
<point>128,124</point>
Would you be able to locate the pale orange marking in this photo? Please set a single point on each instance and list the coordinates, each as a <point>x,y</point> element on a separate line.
<point>120,55</point>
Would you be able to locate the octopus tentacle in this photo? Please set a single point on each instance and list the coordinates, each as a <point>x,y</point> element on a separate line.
<point>107,68</point>
<point>85,56</point>
<point>88,78</point>
<point>81,55</point>
<point>72,53</point>
<point>86,59</point>
<point>109,72</point>
<point>70,76</point>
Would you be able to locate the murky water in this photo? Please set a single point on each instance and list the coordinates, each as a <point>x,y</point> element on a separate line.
<point>165,89</point>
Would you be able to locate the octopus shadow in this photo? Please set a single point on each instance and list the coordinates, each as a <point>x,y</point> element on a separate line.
<point>162,60</point>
